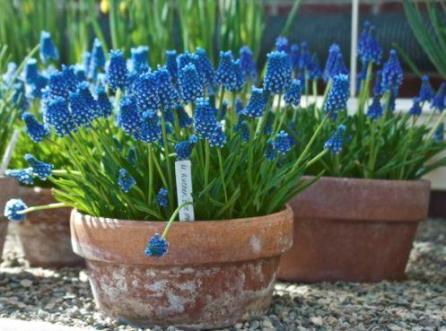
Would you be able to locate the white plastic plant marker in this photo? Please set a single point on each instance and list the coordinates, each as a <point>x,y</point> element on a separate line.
<point>183,176</point>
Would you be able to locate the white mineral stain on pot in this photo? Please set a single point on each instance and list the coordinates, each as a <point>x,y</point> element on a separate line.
<point>255,244</point>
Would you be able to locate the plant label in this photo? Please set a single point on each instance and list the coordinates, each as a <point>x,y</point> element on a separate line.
<point>183,176</point>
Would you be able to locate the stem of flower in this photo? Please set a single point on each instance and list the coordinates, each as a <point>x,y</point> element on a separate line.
<point>166,155</point>
<point>43,207</point>
<point>172,219</point>
<point>222,174</point>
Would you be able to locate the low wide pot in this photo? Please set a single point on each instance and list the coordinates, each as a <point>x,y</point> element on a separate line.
<point>45,235</point>
<point>8,189</point>
<point>356,230</point>
<point>215,273</point>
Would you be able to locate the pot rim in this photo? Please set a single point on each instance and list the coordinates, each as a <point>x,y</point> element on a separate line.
<point>205,242</point>
<point>353,199</point>
<point>401,182</point>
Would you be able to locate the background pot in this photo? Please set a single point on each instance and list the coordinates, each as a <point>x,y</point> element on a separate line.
<point>8,189</point>
<point>45,235</point>
<point>215,274</point>
<point>354,230</point>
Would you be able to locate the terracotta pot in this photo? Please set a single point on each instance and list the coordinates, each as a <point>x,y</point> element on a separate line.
<point>354,230</point>
<point>215,274</point>
<point>8,190</point>
<point>45,235</point>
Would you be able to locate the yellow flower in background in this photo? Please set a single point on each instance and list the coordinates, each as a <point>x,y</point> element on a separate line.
<point>105,6</point>
<point>28,7</point>
<point>123,5</point>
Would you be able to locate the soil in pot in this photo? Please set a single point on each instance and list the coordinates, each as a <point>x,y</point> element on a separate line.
<point>45,235</point>
<point>215,274</point>
<point>8,189</point>
<point>354,230</point>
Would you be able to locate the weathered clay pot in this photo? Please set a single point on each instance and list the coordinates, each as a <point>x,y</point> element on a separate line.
<point>354,230</point>
<point>45,235</point>
<point>8,190</point>
<point>215,274</point>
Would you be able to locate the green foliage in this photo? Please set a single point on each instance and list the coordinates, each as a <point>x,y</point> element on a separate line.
<point>396,146</point>
<point>234,181</point>
<point>22,21</point>
<point>430,30</point>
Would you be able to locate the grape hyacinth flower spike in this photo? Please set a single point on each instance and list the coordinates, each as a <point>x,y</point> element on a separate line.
<point>256,104</point>
<point>117,73</point>
<point>247,64</point>
<point>125,180</point>
<point>375,110</point>
<point>59,117</point>
<point>190,83</point>
<point>392,73</point>
<point>23,176</point>
<point>338,96</point>
<point>162,197</point>
<point>96,61</point>
<point>282,143</point>
<point>415,110</point>
<point>278,73</point>
<point>292,96</point>
<point>282,44</point>
<point>426,92</point>
<point>369,50</point>
<point>40,169</point>
<point>35,130</point>
<point>157,246</point>
<point>139,58</point>
<point>48,50</point>
<point>184,148</point>
<point>336,141</point>
<point>14,210</point>
<point>229,72</point>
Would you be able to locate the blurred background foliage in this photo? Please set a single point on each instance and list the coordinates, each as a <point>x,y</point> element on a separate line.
<point>159,24</point>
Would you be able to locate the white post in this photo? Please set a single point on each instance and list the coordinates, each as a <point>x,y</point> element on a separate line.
<point>354,47</point>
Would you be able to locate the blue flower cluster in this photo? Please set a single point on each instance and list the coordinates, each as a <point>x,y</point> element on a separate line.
<point>336,141</point>
<point>157,246</point>
<point>14,209</point>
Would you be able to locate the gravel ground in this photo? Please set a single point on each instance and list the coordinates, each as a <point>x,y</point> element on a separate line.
<point>64,296</point>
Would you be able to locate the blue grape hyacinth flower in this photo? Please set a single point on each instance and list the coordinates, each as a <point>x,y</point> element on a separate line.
<point>282,44</point>
<point>139,58</point>
<point>415,110</point>
<point>13,210</point>
<point>104,105</point>
<point>335,143</point>
<point>117,73</point>
<point>278,73</point>
<point>184,119</point>
<point>292,96</point>
<point>204,67</point>
<point>282,143</point>
<point>23,176</point>
<point>82,112</point>
<point>129,119</point>
<point>125,180</point>
<point>375,110</point>
<point>150,127</point>
<point>146,92</point>
<point>392,73</point>
<point>426,92</point>
<point>337,96</point>
<point>247,64</point>
<point>96,60</point>
<point>162,197</point>
<point>35,130</point>
<point>184,148</point>
<point>48,50</point>
<point>438,101</point>
<point>369,49</point>
<point>256,104</point>
<point>157,246</point>
<point>167,93</point>
<point>39,168</point>
<point>171,64</point>
<point>229,72</point>
<point>331,63</point>
<point>59,117</point>
<point>190,84</point>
